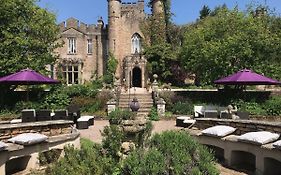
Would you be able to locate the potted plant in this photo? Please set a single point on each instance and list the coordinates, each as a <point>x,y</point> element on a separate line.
<point>115,117</point>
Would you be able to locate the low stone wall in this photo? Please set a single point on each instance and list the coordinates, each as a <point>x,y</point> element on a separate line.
<point>48,128</point>
<point>243,126</point>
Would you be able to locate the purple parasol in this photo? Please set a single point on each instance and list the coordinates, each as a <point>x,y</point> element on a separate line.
<point>27,77</point>
<point>246,77</point>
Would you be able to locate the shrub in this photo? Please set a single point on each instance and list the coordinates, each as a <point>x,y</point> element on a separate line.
<point>273,106</point>
<point>7,115</point>
<point>81,90</point>
<point>19,106</point>
<point>253,108</point>
<point>144,162</point>
<point>87,160</point>
<point>118,115</point>
<point>153,114</point>
<point>56,100</point>
<point>87,104</point>
<point>168,96</point>
<point>171,152</point>
<point>182,108</point>
<point>104,96</point>
<point>112,140</point>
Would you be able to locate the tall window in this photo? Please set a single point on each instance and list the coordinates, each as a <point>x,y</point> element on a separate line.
<point>90,46</point>
<point>71,45</point>
<point>71,74</point>
<point>136,43</point>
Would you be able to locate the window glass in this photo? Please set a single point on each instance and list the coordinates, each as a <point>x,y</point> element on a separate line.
<point>90,46</point>
<point>136,43</point>
<point>71,45</point>
<point>71,74</point>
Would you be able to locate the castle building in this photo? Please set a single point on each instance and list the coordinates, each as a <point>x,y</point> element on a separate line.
<point>86,48</point>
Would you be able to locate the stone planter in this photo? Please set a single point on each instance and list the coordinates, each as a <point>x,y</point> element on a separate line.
<point>132,128</point>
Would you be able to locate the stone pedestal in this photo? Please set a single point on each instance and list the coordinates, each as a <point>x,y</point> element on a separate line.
<point>161,106</point>
<point>111,106</point>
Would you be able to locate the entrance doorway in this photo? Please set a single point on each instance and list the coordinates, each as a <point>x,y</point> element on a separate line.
<point>136,80</point>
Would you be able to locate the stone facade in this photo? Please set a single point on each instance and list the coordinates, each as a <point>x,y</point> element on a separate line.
<point>88,54</point>
<point>122,37</point>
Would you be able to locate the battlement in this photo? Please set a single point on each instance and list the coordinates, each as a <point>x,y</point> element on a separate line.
<point>80,26</point>
<point>132,6</point>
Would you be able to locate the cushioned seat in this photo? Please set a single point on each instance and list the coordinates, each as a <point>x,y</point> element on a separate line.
<point>219,131</point>
<point>260,137</point>
<point>3,146</point>
<point>28,138</point>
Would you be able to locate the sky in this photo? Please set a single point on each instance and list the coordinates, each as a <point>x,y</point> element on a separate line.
<point>185,11</point>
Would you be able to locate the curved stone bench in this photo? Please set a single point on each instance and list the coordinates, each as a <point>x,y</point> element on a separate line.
<point>26,157</point>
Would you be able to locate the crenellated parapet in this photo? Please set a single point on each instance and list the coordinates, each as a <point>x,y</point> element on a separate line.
<point>130,9</point>
<point>73,23</point>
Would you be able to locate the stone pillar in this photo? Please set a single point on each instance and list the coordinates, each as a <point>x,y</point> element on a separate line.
<point>111,106</point>
<point>259,163</point>
<point>3,159</point>
<point>161,106</point>
<point>155,87</point>
<point>33,162</point>
<point>227,156</point>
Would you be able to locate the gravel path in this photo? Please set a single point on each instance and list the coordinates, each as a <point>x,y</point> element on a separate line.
<point>94,134</point>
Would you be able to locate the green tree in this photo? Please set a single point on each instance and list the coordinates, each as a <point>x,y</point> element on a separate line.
<point>204,12</point>
<point>162,43</point>
<point>112,64</point>
<point>28,36</point>
<point>229,41</point>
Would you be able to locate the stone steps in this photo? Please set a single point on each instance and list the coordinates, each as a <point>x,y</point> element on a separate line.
<point>145,100</point>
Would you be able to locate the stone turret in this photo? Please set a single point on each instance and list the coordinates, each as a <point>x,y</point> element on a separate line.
<point>114,14</point>
<point>157,7</point>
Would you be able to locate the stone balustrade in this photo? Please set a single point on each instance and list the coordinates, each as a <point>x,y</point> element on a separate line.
<point>242,126</point>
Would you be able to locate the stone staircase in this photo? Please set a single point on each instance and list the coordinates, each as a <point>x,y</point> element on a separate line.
<point>144,98</point>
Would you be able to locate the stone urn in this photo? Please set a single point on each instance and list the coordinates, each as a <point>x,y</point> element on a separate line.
<point>134,105</point>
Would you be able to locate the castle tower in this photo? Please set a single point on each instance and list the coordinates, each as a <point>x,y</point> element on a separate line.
<point>157,7</point>
<point>159,22</point>
<point>114,14</point>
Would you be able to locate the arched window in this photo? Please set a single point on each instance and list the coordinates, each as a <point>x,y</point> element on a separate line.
<point>136,43</point>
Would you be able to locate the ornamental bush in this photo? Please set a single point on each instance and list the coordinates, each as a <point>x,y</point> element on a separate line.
<point>273,106</point>
<point>87,160</point>
<point>172,152</point>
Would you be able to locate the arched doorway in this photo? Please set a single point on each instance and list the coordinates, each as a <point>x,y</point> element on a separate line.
<point>136,80</point>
